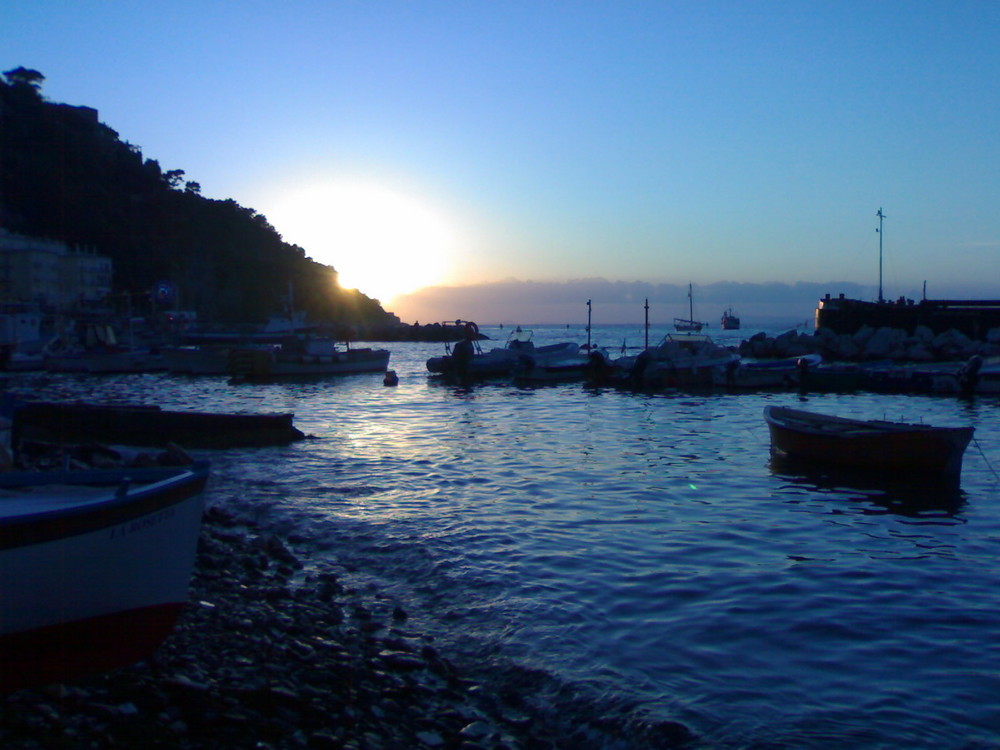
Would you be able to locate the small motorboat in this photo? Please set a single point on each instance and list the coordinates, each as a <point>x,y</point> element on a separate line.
<point>302,358</point>
<point>570,362</point>
<point>761,374</point>
<point>867,444</point>
<point>520,352</point>
<point>94,567</point>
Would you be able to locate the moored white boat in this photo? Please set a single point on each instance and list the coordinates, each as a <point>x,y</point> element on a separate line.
<point>297,358</point>
<point>749,374</point>
<point>500,362</point>
<point>94,567</point>
<point>571,362</point>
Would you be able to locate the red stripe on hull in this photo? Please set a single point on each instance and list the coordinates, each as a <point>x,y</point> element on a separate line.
<point>61,652</point>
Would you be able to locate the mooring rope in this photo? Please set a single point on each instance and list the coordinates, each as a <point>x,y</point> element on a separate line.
<point>983,454</point>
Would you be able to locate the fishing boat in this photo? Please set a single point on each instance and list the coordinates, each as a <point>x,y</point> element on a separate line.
<point>688,324</point>
<point>730,320</point>
<point>867,444</point>
<point>94,567</point>
<point>297,358</point>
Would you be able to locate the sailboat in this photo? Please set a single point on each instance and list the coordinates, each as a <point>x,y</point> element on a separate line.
<point>689,324</point>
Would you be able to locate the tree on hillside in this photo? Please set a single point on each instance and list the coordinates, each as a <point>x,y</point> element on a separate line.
<point>64,175</point>
<point>24,77</point>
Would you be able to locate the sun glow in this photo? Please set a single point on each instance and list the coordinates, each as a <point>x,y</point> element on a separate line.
<point>381,242</point>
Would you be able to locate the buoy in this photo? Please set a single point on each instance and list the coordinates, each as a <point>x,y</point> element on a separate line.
<point>390,378</point>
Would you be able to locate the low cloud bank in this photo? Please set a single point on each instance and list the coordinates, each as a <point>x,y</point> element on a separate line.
<point>513,302</point>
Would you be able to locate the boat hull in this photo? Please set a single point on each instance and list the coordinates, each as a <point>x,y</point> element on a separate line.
<point>267,363</point>
<point>149,425</point>
<point>94,568</point>
<point>872,445</point>
<point>197,360</point>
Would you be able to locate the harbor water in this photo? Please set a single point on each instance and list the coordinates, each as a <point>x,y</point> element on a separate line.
<point>640,550</point>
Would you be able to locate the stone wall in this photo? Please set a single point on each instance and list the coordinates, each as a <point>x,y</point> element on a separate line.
<point>868,344</point>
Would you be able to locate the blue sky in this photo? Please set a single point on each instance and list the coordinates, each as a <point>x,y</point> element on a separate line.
<point>476,142</point>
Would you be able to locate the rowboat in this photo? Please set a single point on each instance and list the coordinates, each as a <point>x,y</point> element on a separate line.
<point>94,567</point>
<point>867,444</point>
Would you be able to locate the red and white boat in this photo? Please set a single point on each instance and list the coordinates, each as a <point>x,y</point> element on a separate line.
<point>94,567</point>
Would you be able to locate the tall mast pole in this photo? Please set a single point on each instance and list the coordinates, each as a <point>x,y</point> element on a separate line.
<point>880,216</point>
<point>588,325</point>
<point>647,322</point>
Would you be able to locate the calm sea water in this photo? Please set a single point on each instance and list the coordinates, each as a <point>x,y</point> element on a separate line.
<point>642,549</point>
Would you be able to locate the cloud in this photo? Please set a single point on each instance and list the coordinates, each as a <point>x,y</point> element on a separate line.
<point>534,302</point>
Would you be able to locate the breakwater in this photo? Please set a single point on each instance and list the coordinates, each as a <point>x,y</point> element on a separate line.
<point>868,343</point>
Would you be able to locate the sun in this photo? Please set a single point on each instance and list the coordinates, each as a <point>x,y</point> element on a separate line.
<point>381,241</point>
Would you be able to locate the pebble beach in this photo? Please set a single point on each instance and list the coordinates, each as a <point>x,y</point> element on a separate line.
<point>266,656</point>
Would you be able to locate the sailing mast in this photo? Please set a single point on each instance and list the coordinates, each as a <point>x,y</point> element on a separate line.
<point>880,216</point>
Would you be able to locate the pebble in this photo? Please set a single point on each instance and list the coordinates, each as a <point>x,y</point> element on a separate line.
<point>257,661</point>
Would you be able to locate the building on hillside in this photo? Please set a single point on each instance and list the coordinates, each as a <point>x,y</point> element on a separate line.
<point>50,273</point>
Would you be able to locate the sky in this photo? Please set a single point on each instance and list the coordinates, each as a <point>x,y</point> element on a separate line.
<point>437,152</point>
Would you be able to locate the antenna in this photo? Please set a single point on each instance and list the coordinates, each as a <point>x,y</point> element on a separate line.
<point>647,322</point>
<point>588,325</point>
<point>880,216</point>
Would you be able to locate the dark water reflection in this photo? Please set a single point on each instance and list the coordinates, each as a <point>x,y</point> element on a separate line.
<point>874,492</point>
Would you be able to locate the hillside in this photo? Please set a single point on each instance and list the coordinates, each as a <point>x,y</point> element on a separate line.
<point>64,175</point>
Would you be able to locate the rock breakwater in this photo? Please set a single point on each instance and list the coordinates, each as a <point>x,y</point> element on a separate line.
<point>870,344</point>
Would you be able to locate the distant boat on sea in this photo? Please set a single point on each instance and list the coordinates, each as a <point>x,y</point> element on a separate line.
<point>730,320</point>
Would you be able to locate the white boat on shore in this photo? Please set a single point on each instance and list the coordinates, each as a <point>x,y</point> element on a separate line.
<point>94,567</point>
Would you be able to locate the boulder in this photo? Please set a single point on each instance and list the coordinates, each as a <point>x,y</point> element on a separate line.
<point>885,343</point>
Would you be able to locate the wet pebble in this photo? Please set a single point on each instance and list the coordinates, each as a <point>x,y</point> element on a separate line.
<point>262,659</point>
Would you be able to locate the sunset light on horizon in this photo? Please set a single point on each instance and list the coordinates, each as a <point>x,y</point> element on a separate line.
<point>417,146</point>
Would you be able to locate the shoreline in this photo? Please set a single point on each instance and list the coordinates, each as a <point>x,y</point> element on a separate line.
<point>265,656</point>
